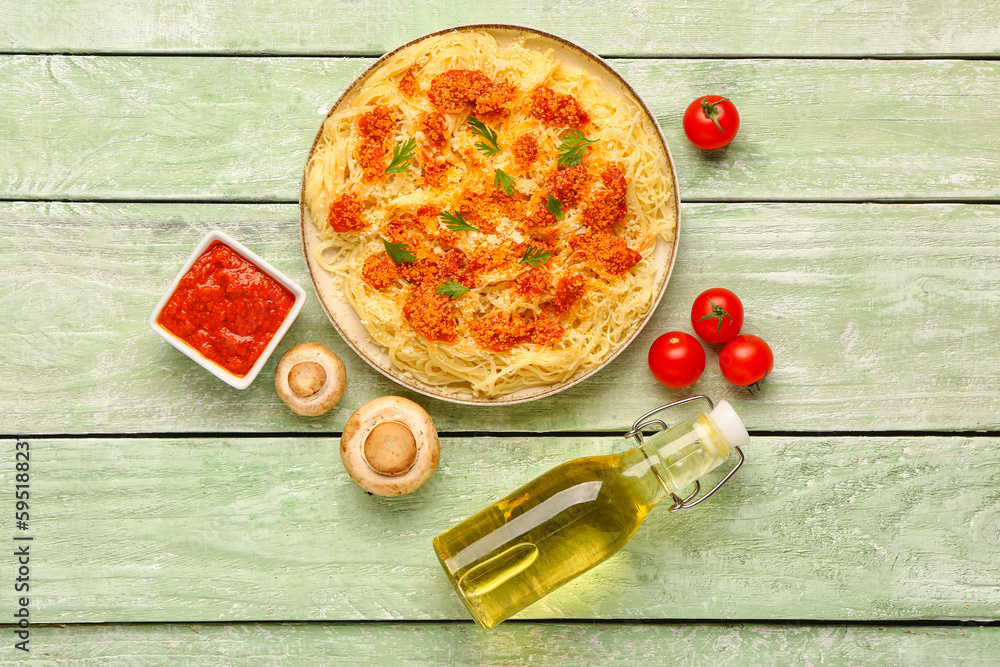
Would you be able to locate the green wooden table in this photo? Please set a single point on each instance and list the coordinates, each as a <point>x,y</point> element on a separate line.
<point>174,519</point>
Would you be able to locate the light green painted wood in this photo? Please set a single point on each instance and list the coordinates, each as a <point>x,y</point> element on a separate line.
<point>880,317</point>
<point>647,27</point>
<point>545,644</point>
<point>272,529</point>
<point>240,128</point>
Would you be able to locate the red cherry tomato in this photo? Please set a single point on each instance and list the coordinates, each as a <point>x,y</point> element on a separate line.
<point>677,359</point>
<point>745,360</point>
<point>717,315</point>
<point>711,122</point>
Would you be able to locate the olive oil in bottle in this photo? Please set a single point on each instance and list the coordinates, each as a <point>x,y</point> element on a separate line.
<point>576,515</point>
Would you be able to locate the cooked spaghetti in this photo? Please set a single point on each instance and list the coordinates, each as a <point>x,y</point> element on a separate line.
<point>490,213</point>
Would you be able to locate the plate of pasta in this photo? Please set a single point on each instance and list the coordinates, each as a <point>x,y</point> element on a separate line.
<point>489,214</point>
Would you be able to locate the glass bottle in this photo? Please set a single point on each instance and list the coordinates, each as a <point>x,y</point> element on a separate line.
<point>578,514</point>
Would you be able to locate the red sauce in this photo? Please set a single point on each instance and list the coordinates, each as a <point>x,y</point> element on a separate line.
<point>227,308</point>
<point>451,91</point>
<point>500,331</point>
<point>525,149</point>
<point>431,315</point>
<point>570,185</point>
<point>555,108</point>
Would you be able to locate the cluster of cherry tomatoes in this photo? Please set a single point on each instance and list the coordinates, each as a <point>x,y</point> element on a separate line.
<point>677,359</point>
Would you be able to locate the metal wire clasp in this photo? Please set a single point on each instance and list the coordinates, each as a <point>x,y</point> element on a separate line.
<point>645,421</point>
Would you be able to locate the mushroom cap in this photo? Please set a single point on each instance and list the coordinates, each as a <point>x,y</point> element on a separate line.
<point>310,379</point>
<point>390,446</point>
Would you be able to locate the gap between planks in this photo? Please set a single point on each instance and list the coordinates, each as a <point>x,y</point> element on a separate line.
<point>360,55</point>
<point>492,434</point>
<point>968,201</point>
<point>921,623</point>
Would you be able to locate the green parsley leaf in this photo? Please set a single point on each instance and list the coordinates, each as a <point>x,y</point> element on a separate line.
<point>456,223</point>
<point>399,252</point>
<point>571,148</point>
<point>402,154</point>
<point>535,257</point>
<point>504,181</point>
<point>451,289</point>
<point>555,207</point>
<point>489,145</point>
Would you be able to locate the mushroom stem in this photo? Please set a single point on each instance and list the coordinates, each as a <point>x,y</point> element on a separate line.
<point>306,378</point>
<point>390,448</point>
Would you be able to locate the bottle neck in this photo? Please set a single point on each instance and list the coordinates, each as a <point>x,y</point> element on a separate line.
<point>678,457</point>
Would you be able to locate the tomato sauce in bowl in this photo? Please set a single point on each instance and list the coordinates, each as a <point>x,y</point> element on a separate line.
<point>228,309</point>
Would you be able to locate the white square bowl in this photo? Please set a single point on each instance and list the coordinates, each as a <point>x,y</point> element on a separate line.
<point>206,363</point>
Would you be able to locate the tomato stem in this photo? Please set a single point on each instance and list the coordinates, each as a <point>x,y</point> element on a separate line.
<point>717,312</point>
<point>708,108</point>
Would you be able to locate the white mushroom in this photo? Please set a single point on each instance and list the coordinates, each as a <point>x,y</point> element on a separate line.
<point>310,379</point>
<point>390,446</point>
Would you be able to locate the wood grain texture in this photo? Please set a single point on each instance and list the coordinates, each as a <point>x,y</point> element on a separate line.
<point>239,129</point>
<point>273,529</point>
<point>880,317</point>
<point>543,644</point>
<point>610,27</point>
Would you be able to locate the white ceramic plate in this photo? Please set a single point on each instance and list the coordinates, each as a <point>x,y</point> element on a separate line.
<point>346,320</point>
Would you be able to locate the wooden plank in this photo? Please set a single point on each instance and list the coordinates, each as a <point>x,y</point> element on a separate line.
<point>642,27</point>
<point>238,129</point>
<point>880,317</point>
<point>510,644</point>
<point>273,529</point>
